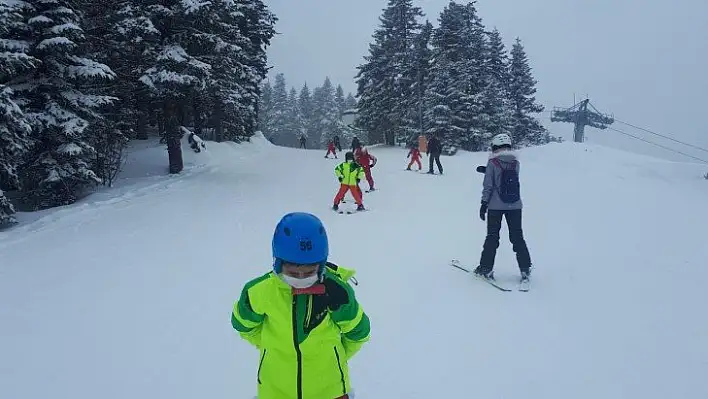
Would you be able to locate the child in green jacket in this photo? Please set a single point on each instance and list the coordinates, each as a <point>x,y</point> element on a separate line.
<point>302,316</point>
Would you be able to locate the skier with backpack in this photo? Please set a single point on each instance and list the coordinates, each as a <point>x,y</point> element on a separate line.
<point>302,316</point>
<point>501,198</point>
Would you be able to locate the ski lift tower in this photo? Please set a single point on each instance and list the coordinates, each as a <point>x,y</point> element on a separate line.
<point>579,115</point>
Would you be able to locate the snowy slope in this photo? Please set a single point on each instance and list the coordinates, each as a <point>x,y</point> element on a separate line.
<point>128,294</point>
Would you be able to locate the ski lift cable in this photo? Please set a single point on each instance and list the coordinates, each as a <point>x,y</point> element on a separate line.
<point>655,144</point>
<point>661,135</point>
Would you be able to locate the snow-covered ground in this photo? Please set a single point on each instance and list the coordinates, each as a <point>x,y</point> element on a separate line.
<point>128,294</point>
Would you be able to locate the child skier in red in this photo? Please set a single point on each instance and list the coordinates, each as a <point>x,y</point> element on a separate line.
<point>367,161</point>
<point>331,149</point>
<point>414,155</point>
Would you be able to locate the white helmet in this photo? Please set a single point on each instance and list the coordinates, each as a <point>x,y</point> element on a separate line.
<point>501,139</point>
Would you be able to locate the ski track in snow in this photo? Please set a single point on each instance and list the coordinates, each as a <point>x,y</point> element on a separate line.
<point>128,293</point>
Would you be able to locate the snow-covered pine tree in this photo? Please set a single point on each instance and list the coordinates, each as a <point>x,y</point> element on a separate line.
<point>440,99</point>
<point>388,73</point>
<point>232,37</point>
<point>126,45</point>
<point>497,109</point>
<point>14,61</point>
<point>14,140</point>
<point>413,124</point>
<point>176,72</point>
<point>7,212</point>
<point>527,130</point>
<point>339,100</point>
<point>255,22</point>
<point>129,42</point>
<point>265,107</point>
<point>350,102</point>
<point>280,109</point>
<point>14,129</point>
<point>60,104</point>
<point>457,73</point>
<point>295,125</point>
<point>325,113</point>
<point>306,111</point>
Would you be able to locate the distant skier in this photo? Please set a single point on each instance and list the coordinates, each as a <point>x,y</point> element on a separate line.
<point>434,151</point>
<point>367,161</point>
<point>355,143</point>
<point>302,316</point>
<point>337,143</point>
<point>414,155</point>
<point>349,174</point>
<point>303,141</point>
<point>501,198</point>
<point>331,149</point>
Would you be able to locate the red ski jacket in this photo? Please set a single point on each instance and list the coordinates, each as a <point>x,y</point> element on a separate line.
<point>363,158</point>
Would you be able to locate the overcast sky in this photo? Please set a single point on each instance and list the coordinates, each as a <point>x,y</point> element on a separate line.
<point>645,61</point>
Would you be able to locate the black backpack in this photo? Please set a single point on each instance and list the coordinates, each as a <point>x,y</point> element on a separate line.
<point>509,188</point>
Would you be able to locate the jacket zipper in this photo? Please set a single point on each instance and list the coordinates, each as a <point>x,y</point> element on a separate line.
<point>297,349</point>
<point>341,372</point>
<point>261,365</point>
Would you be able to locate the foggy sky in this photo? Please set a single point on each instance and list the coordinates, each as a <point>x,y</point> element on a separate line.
<point>642,60</point>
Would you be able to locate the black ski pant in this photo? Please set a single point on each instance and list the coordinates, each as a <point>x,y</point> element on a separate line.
<point>435,157</point>
<point>516,236</point>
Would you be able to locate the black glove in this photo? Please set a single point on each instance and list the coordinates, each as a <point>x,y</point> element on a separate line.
<point>482,169</point>
<point>340,179</point>
<point>357,181</point>
<point>483,210</point>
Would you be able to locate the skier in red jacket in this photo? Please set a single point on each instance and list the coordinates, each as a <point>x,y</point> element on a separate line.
<point>367,161</point>
<point>331,149</point>
<point>414,155</point>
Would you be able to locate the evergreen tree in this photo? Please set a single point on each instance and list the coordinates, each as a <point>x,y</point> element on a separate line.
<point>14,129</point>
<point>388,73</point>
<point>339,100</point>
<point>257,23</point>
<point>265,109</point>
<point>497,109</point>
<point>325,113</point>
<point>7,212</point>
<point>296,125</point>
<point>306,110</point>
<point>457,74</point>
<point>59,103</point>
<point>240,32</point>
<point>280,109</point>
<point>522,87</point>
<point>422,55</point>
<point>176,71</point>
<point>350,102</point>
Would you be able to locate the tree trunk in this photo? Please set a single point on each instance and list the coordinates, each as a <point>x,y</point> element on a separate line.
<point>173,136</point>
<point>218,116</point>
<point>141,105</point>
<point>198,105</point>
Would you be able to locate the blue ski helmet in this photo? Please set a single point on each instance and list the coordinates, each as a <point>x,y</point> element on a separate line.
<point>300,238</point>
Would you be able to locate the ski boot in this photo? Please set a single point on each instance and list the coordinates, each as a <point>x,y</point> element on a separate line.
<point>335,207</point>
<point>360,207</point>
<point>484,273</point>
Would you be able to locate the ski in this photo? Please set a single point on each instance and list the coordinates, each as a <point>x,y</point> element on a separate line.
<point>456,263</point>
<point>349,211</point>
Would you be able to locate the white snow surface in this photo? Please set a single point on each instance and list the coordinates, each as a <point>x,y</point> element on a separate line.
<point>128,293</point>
